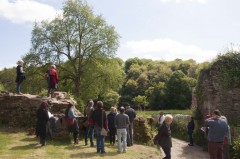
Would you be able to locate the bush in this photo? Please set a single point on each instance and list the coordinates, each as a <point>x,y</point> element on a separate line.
<point>1,88</point>
<point>236,149</point>
<point>43,92</point>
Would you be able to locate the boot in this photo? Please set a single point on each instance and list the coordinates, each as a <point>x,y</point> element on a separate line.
<point>92,144</point>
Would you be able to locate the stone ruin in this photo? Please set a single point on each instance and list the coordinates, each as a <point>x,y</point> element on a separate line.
<point>142,131</point>
<point>214,96</point>
<point>20,110</point>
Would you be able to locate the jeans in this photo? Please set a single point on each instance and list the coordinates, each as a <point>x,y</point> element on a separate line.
<point>100,140</point>
<point>89,132</point>
<point>100,144</point>
<point>122,134</point>
<point>18,87</point>
<point>130,135</point>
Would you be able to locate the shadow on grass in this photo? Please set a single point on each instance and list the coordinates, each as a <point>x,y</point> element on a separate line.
<point>29,139</point>
<point>92,154</point>
<point>26,147</point>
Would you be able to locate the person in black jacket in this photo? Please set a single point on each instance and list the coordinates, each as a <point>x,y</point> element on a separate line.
<point>111,126</point>
<point>20,75</point>
<point>132,115</point>
<point>190,128</point>
<point>163,138</point>
<point>42,120</point>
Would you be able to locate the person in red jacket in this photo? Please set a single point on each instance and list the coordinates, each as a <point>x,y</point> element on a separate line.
<point>52,78</point>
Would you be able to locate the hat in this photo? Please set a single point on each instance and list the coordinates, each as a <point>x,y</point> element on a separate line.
<point>53,66</point>
<point>20,62</point>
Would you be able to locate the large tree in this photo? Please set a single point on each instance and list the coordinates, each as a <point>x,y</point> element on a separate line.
<point>77,36</point>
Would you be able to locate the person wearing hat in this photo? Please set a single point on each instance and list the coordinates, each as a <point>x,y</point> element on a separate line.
<point>52,78</point>
<point>20,75</point>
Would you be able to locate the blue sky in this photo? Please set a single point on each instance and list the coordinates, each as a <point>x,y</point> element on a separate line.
<point>156,29</point>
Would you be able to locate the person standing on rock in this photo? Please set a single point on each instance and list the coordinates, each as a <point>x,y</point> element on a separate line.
<point>121,123</point>
<point>20,75</point>
<point>52,78</point>
<point>190,128</point>
<point>163,138</point>
<point>132,115</point>
<point>217,130</point>
<point>42,121</point>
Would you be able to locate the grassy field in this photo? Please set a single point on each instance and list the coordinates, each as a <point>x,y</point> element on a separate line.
<point>16,144</point>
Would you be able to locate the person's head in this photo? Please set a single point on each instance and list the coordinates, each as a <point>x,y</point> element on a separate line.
<point>90,103</point>
<point>20,62</point>
<point>216,113</point>
<point>190,118</point>
<point>71,105</point>
<point>122,109</point>
<point>99,104</point>
<point>43,106</point>
<point>112,109</point>
<point>161,113</point>
<point>168,119</point>
<point>53,66</point>
<point>126,105</point>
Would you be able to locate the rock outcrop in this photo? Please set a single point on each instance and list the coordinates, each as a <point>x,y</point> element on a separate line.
<point>20,110</point>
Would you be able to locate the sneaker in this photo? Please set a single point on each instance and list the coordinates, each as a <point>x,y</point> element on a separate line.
<point>103,152</point>
<point>124,151</point>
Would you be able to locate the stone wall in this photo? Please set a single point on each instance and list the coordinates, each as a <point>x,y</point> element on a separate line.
<point>214,96</point>
<point>20,110</point>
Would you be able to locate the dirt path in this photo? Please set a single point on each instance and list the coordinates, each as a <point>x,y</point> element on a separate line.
<point>181,150</point>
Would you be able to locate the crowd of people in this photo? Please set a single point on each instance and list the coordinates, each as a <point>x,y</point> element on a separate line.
<point>120,124</point>
<point>116,123</point>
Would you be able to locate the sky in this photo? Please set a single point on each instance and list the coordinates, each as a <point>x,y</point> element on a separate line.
<point>154,29</point>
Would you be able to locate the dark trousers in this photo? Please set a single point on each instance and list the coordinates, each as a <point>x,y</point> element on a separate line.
<point>130,135</point>
<point>190,134</point>
<point>18,87</point>
<point>167,151</point>
<point>112,135</point>
<point>215,150</point>
<point>226,154</point>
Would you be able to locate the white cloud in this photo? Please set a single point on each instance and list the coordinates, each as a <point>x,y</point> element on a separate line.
<point>167,49</point>
<point>25,11</point>
<point>183,1</point>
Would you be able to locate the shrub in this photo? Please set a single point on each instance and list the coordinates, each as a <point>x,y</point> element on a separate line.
<point>236,149</point>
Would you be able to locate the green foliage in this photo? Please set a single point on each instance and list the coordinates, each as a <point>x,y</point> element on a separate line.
<point>179,91</point>
<point>197,115</point>
<point>111,99</point>
<point>2,87</point>
<point>229,69</point>
<point>140,101</point>
<point>43,92</point>
<point>236,149</point>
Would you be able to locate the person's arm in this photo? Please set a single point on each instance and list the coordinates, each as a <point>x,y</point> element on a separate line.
<point>128,122</point>
<point>21,70</point>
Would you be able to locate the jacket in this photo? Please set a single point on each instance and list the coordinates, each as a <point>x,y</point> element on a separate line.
<point>163,138</point>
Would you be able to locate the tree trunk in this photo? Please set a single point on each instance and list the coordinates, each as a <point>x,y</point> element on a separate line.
<point>77,87</point>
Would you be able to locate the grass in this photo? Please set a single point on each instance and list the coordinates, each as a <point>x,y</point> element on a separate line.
<point>16,144</point>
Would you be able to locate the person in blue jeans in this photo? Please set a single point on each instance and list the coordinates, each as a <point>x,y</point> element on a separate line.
<point>90,128</point>
<point>100,121</point>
